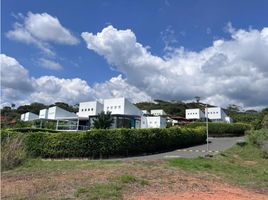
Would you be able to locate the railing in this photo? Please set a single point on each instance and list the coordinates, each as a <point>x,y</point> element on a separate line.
<point>71,127</point>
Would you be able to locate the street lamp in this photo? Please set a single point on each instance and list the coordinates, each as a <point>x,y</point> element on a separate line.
<point>206,111</point>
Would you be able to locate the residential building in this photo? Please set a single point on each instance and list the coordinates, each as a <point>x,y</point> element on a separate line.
<point>89,108</point>
<point>29,116</point>
<point>158,112</point>
<point>194,114</point>
<point>57,113</point>
<point>153,122</point>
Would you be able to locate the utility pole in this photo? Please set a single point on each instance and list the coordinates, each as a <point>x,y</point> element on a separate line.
<point>206,111</point>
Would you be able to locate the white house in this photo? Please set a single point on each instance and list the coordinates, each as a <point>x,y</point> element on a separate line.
<point>213,113</point>
<point>43,114</point>
<point>217,114</point>
<point>194,114</point>
<point>29,116</point>
<point>57,113</point>
<point>145,112</point>
<point>89,108</point>
<point>153,122</point>
<point>158,112</point>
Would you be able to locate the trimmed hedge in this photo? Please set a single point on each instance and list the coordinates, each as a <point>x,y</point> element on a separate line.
<point>219,129</point>
<point>27,130</point>
<point>111,142</point>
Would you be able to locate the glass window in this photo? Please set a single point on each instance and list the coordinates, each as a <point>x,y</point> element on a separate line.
<point>108,108</point>
<point>119,107</point>
<point>82,110</point>
<point>111,107</point>
<point>91,109</point>
<point>115,107</point>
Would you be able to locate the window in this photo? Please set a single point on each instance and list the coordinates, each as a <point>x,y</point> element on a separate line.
<point>115,107</point>
<point>91,109</point>
<point>108,108</point>
<point>111,107</point>
<point>82,110</point>
<point>119,107</point>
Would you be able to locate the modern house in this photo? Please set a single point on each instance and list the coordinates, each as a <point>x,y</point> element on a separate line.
<point>213,113</point>
<point>158,112</point>
<point>124,113</point>
<point>29,117</point>
<point>194,114</point>
<point>153,122</point>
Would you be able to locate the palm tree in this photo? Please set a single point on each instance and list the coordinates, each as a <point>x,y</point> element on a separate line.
<point>103,121</point>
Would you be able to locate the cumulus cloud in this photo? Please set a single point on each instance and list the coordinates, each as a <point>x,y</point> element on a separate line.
<point>229,71</point>
<point>18,87</point>
<point>49,64</point>
<point>41,30</point>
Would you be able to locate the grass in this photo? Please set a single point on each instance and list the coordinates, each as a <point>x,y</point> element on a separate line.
<point>244,165</point>
<point>84,179</point>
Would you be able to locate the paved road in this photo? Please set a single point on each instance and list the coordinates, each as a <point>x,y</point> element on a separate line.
<point>216,145</point>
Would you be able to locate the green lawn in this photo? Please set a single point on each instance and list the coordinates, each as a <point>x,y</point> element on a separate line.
<point>245,165</point>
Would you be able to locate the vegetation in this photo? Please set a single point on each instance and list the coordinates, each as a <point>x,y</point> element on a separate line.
<point>222,129</point>
<point>111,142</point>
<point>103,120</point>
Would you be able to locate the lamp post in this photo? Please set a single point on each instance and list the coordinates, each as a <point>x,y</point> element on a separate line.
<point>206,111</point>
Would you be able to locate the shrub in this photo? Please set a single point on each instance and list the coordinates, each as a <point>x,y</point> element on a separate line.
<point>12,150</point>
<point>219,129</point>
<point>111,142</point>
<point>257,137</point>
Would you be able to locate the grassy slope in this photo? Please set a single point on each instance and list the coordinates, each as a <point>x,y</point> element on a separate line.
<point>242,165</point>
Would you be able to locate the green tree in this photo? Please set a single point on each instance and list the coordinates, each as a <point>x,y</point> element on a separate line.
<point>103,120</point>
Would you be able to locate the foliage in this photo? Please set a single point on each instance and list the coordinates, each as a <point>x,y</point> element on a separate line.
<point>12,150</point>
<point>222,129</point>
<point>111,142</point>
<point>103,120</point>
<point>243,165</point>
<point>257,137</point>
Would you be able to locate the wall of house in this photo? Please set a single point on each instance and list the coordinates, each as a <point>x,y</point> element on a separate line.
<point>153,122</point>
<point>43,114</point>
<point>22,117</point>
<point>30,116</point>
<point>158,112</point>
<point>215,113</point>
<point>115,106</point>
<point>59,113</point>
<point>194,114</point>
<point>90,108</point>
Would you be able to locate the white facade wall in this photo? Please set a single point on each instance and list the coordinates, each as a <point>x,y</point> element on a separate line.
<point>153,122</point>
<point>121,106</point>
<point>30,116</point>
<point>90,108</point>
<point>43,114</point>
<point>22,117</point>
<point>56,112</point>
<point>145,112</point>
<point>194,114</point>
<point>158,112</point>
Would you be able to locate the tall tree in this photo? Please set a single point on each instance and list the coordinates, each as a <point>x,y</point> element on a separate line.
<point>103,120</point>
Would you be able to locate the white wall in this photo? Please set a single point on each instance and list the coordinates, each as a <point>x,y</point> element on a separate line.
<point>90,108</point>
<point>153,122</point>
<point>43,114</point>
<point>194,114</point>
<point>121,106</point>
<point>22,117</point>
<point>56,112</point>
<point>158,112</point>
<point>30,116</point>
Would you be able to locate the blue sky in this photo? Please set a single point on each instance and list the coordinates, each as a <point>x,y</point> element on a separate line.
<point>160,26</point>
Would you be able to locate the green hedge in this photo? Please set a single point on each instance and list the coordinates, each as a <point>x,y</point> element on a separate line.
<point>219,129</point>
<point>257,137</point>
<point>111,142</point>
<point>27,130</point>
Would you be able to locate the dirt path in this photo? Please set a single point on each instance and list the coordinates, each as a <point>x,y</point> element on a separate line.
<point>217,192</point>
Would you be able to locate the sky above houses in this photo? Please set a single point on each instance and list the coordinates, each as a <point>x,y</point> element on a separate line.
<point>80,50</point>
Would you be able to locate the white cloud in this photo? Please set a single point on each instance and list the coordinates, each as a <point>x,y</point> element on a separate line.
<point>41,30</point>
<point>49,64</point>
<point>18,87</point>
<point>229,71</point>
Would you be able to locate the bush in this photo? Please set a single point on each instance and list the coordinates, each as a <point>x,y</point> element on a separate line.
<point>27,130</point>
<point>13,151</point>
<point>259,138</point>
<point>219,129</point>
<point>111,142</point>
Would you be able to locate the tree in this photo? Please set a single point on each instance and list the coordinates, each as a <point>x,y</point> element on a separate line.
<point>103,120</point>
